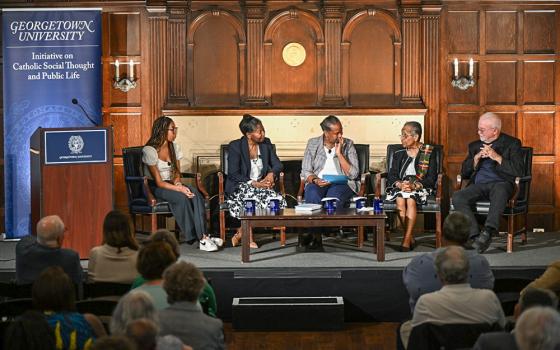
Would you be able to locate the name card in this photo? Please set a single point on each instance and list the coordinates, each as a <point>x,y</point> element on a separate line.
<point>75,146</point>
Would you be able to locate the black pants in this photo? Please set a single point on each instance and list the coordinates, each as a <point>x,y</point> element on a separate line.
<point>189,213</point>
<point>498,193</point>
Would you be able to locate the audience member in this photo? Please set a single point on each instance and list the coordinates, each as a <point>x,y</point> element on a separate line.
<point>207,298</point>
<point>538,329</point>
<point>184,318</point>
<point>143,332</point>
<point>30,331</point>
<point>33,254</point>
<point>456,302</point>
<point>171,342</point>
<point>153,259</point>
<point>115,260</point>
<point>550,279</point>
<point>135,305</point>
<point>506,340</point>
<point>420,276</point>
<point>53,293</point>
<point>114,342</point>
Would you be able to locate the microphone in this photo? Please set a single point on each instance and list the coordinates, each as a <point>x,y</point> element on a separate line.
<point>75,101</point>
<point>330,150</point>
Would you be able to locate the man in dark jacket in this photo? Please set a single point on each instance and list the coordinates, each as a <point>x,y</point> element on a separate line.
<point>492,164</point>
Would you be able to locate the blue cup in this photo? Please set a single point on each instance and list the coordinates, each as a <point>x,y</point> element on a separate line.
<point>250,206</point>
<point>378,205</point>
<point>360,202</point>
<point>330,206</point>
<point>274,204</point>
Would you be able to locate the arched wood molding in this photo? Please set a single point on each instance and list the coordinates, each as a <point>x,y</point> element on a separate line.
<point>354,21</point>
<point>273,26</point>
<point>241,45</point>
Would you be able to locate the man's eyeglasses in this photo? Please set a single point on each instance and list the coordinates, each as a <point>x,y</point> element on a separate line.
<point>173,129</point>
<point>404,136</point>
<point>483,130</point>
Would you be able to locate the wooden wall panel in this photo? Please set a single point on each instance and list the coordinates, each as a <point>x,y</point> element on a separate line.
<point>463,28</point>
<point>542,183</point>
<point>216,64</point>
<point>509,122</point>
<point>538,82</point>
<point>501,81</point>
<point>371,64</point>
<point>294,86</point>
<point>538,132</point>
<point>460,132</point>
<point>501,32</point>
<point>125,34</point>
<point>540,31</point>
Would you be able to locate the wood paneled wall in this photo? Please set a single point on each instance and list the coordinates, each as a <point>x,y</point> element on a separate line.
<point>516,50</point>
<point>227,55</point>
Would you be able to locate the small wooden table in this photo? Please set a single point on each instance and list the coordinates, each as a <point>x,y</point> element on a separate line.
<point>290,218</point>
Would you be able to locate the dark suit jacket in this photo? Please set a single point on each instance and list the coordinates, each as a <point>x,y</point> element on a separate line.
<point>508,147</point>
<point>239,164</point>
<point>495,341</point>
<point>187,322</point>
<point>401,160</point>
<point>32,258</point>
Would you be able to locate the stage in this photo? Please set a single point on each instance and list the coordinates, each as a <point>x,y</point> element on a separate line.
<point>372,291</point>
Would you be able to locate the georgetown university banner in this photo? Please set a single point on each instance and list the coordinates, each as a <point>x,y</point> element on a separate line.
<point>51,57</point>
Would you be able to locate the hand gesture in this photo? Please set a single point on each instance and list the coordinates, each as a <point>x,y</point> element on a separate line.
<point>185,190</point>
<point>406,186</point>
<point>268,180</point>
<point>321,183</point>
<point>486,151</point>
<point>338,145</point>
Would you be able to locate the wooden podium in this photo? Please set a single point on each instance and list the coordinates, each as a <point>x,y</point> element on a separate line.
<point>72,177</point>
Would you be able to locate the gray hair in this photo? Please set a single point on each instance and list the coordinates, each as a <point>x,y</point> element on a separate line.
<point>49,229</point>
<point>452,265</point>
<point>493,118</point>
<point>416,128</point>
<point>537,329</point>
<point>169,342</point>
<point>537,297</point>
<point>135,305</point>
<point>328,122</point>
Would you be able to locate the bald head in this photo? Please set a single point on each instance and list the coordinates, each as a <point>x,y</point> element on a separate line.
<point>489,127</point>
<point>50,231</point>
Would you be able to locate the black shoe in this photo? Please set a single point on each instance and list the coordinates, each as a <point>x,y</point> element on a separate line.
<point>315,246</point>
<point>304,240</point>
<point>483,241</point>
<point>404,249</point>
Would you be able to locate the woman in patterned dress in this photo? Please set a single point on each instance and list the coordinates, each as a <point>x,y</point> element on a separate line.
<point>253,167</point>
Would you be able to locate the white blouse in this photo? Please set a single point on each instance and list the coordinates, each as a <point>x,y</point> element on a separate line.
<point>150,157</point>
<point>256,167</point>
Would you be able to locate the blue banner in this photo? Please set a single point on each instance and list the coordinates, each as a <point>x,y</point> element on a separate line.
<point>51,57</point>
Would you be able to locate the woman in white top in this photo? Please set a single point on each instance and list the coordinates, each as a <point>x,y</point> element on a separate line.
<point>161,157</point>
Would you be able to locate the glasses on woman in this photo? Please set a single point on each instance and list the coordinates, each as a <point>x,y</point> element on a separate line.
<point>175,129</point>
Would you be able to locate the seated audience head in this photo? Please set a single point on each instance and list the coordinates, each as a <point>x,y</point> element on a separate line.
<point>456,229</point>
<point>54,291</point>
<point>411,132</point>
<point>153,259</point>
<point>163,235</point>
<point>489,127</point>
<point>118,231</point>
<point>50,231</point>
<point>252,128</point>
<point>537,297</point>
<point>538,329</point>
<point>143,332</point>
<point>170,342</point>
<point>452,265</point>
<point>183,281</point>
<point>135,305</point>
<point>30,331</point>
<point>114,342</point>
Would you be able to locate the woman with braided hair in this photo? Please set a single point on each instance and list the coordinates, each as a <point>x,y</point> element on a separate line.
<point>161,157</point>
<point>411,179</point>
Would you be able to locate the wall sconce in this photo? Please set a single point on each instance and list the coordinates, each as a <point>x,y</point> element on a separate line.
<point>462,83</point>
<point>127,83</point>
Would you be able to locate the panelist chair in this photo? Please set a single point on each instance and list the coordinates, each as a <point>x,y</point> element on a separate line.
<point>223,206</point>
<point>434,204</point>
<point>518,203</point>
<point>141,200</point>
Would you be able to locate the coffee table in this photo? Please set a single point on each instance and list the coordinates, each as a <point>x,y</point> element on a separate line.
<point>290,218</point>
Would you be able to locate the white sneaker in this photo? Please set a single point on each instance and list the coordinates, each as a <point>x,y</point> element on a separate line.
<point>217,241</point>
<point>207,245</point>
